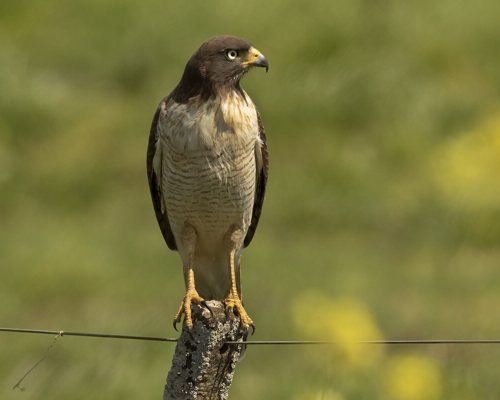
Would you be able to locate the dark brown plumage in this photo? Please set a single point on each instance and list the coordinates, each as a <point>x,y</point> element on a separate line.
<point>208,71</point>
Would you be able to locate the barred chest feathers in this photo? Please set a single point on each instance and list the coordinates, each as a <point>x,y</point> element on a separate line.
<point>216,125</point>
<point>208,161</point>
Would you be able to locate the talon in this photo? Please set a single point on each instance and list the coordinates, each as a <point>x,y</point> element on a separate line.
<point>191,296</point>
<point>252,325</point>
<point>233,303</point>
<point>175,325</point>
<point>233,300</point>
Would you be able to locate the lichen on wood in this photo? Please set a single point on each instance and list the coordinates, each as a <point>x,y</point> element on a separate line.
<point>203,364</point>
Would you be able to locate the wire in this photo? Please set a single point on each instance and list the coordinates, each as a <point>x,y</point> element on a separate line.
<point>370,342</point>
<point>87,334</point>
<point>45,355</point>
<point>259,342</point>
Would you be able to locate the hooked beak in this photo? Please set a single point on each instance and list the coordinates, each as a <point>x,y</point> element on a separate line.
<point>255,58</point>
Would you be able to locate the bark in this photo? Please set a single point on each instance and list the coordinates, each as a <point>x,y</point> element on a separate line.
<point>203,364</point>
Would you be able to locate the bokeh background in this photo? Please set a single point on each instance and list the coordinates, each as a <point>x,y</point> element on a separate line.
<point>382,217</point>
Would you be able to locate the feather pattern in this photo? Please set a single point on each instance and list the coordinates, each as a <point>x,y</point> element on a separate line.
<point>207,166</point>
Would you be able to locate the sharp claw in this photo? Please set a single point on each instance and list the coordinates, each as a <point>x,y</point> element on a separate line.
<point>253,328</point>
<point>191,296</point>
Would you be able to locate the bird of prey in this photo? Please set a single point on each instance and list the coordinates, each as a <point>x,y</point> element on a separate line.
<point>207,166</point>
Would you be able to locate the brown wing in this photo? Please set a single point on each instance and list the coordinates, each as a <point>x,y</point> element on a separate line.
<point>262,164</point>
<point>155,179</point>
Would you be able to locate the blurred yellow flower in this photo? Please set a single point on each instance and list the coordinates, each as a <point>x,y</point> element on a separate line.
<point>413,377</point>
<point>319,395</point>
<point>346,322</point>
<point>466,167</point>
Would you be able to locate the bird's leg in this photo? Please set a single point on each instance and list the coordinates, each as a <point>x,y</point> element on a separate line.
<point>233,301</point>
<point>190,296</point>
<point>189,237</point>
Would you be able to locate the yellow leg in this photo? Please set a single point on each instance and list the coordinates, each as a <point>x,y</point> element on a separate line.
<point>190,296</point>
<point>233,300</point>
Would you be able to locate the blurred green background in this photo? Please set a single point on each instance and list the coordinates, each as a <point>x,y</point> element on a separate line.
<point>382,217</point>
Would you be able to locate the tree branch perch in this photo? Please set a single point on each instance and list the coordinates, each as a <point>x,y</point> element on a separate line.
<point>203,364</point>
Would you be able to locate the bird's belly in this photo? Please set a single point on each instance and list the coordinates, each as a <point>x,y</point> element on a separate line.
<point>210,191</point>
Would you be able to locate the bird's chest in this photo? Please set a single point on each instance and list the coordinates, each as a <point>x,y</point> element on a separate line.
<point>218,125</point>
<point>209,163</point>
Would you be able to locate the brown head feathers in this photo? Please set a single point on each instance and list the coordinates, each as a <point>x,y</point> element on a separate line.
<point>216,67</point>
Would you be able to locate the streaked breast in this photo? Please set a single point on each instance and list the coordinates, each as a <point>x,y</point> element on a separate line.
<point>208,163</point>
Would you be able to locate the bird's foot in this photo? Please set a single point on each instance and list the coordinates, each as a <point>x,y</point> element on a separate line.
<point>185,307</point>
<point>233,302</point>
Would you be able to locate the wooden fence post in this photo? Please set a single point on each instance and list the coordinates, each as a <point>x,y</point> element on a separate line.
<point>203,364</point>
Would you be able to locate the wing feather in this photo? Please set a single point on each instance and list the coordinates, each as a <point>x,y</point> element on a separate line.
<point>262,164</point>
<point>154,171</point>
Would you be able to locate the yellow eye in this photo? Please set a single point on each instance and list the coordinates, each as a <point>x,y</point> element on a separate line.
<point>231,54</point>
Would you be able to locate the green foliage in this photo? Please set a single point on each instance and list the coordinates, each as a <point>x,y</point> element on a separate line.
<point>382,121</point>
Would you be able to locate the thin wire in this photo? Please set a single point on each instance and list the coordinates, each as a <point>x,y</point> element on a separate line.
<point>87,334</point>
<point>42,359</point>
<point>259,342</point>
<point>370,342</point>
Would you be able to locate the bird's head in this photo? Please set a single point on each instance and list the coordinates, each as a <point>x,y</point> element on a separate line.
<point>221,62</point>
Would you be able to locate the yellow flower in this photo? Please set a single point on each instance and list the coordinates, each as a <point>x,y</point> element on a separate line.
<point>319,395</point>
<point>345,322</point>
<point>465,169</point>
<point>413,377</point>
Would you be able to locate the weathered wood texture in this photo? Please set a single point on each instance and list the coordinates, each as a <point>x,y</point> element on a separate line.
<point>203,364</point>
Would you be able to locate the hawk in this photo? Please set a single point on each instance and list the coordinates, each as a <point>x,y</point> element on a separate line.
<point>207,166</point>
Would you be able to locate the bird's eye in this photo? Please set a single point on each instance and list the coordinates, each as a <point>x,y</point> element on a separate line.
<point>231,54</point>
